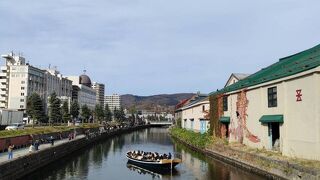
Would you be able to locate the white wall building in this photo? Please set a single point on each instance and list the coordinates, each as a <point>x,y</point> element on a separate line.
<point>82,91</point>
<point>277,108</point>
<point>19,80</point>
<point>113,101</point>
<point>100,90</point>
<point>194,115</point>
<point>55,82</point>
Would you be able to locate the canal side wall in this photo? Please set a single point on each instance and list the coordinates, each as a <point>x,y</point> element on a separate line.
<point>276,169</point>
<point>25,165</point>
<point>25,140</point>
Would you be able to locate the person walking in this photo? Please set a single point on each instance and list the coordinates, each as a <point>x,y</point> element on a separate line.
<point>36,145</point>
<point>10,151</point>
<point>52,140</point>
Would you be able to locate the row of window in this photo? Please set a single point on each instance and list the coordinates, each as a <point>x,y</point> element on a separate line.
<point>18,75</point>
<point>272,99</point>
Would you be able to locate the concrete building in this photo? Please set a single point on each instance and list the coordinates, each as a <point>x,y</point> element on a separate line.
<point>55,82</point>
<point>100,89</point>
<point>82,91</point>
<point>194,115</point>
<point>113,101</point>
<point>19,80</point>
<point>277,108</point>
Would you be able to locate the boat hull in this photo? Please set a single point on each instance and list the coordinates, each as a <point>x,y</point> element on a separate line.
<point>155,166</point>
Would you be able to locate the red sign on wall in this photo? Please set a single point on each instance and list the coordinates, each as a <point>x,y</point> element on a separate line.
<point>299,95</point>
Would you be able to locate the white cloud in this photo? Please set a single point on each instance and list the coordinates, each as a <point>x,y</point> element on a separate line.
<point>161,46</point>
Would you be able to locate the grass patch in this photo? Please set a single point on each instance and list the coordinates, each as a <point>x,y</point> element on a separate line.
<point>196,139</point>
<point>40,130</point>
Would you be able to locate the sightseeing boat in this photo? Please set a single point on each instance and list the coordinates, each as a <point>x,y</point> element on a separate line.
<point>158,165</point>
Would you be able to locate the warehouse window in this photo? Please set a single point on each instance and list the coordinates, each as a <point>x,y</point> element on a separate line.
<point>272,97</point>
<point>225,103</point>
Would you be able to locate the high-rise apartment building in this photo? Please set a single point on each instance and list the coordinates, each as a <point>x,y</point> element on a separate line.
<point>113,101</point>
<point>100,89</point>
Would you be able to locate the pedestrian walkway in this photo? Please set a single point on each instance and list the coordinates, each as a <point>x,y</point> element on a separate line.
<point>25,151</point>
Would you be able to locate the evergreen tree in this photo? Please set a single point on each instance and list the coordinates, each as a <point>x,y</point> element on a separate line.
<point>107,113</point>
<point>85,112</point>
<point>133,117</point>
<point>115,113</point>
<point>121,115</point>
<point>54,109</point>
<point>35,108</point>
<point>99,114</point>
<point>65,112</point>
<point>74,109</point>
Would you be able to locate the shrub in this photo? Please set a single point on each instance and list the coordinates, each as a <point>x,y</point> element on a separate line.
<point>196,139</point>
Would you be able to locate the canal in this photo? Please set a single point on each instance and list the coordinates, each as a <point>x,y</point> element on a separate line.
<point>106,160</point>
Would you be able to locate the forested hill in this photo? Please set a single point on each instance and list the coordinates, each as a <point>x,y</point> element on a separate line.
<point>156,103</point>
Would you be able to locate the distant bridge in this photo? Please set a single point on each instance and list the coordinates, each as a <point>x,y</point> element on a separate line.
<point>160,123</point>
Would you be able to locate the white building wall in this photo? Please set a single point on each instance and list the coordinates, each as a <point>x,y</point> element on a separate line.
<point>24,80</point>
<point>113,101</point>
<point>300,132</point>
<point>196,113</point>
<point>301,136</point>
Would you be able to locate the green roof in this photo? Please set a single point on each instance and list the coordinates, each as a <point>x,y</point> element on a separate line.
<point>225,119</point>
<point>271,118</point>
<point>287,66</point>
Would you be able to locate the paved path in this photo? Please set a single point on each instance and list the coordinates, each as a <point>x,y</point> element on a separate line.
<point>24,151</point>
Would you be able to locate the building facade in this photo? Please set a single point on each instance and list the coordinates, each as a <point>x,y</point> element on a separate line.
<point>100,90</point>
<point>55,82</point>
<point>195,115</point>
<point>82,91</point>
<point>113,101</point>
<point>277,108</point>
<point>19,80</point>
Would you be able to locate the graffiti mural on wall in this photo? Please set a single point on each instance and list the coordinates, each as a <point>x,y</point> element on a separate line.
<point>241,130</point>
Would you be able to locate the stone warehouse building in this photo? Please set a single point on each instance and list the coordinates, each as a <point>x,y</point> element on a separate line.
<point>277,108</point>
<point>194,115</point>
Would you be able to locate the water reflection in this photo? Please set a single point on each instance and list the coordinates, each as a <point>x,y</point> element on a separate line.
<point>153,173</point>
<point>106,160</point>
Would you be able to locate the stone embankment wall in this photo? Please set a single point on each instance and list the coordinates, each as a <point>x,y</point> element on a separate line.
<point>25,140</point>
<point>270,168</point>
<point>24,165</point>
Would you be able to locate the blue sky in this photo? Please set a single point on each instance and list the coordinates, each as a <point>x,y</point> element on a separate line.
<point>149,47</point>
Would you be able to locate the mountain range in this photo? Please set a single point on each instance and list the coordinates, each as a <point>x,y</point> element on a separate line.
<point>155,103</point>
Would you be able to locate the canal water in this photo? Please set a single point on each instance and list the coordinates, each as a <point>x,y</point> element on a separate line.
<point>106,160</point>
